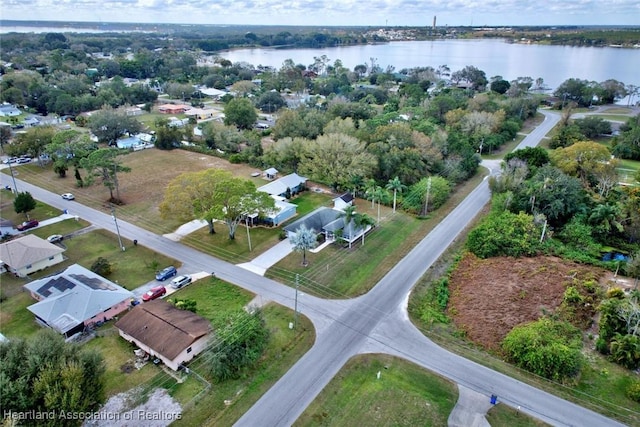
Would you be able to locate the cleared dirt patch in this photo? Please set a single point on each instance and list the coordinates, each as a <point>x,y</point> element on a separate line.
<point>489,297</point>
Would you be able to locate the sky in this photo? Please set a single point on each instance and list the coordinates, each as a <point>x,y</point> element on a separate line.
<point>331,12</point>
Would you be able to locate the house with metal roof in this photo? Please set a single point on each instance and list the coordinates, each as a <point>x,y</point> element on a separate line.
<point>28,254</point>
<point>73,299</point>
<point>8,110</point>
<point>172,335</point>
<point>293,182</point>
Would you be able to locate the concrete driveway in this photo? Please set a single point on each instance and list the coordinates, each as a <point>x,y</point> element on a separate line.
<point>261,263</point>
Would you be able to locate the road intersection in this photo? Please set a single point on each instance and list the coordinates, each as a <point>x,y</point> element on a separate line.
<point>376,322</point>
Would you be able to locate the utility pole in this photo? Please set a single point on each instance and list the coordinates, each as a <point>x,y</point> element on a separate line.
<point>13,178</point>
<point>246,222</point>
<point>113,215</point>
<point>295,313</point>
<point>426,199</point>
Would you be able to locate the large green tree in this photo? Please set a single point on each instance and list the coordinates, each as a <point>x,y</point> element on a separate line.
<point>332,159</point>
<point>103,164</point>
<point>46,374</point>
<point>24,203</point>
<point>109,125</point>
<point>214,194</point>
<point>240,112</point>
<point>237,345</point>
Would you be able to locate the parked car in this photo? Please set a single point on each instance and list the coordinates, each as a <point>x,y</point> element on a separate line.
<point>68,196</point>
<point>27,225</point>
<point>55,238</point>
<point>180,281</point>
<point>154,293</point>
<point>10,160</point>
<point>166,273</point>
<point>24,160</point>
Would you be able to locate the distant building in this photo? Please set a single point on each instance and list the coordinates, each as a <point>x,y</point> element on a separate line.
<point>8,110</point>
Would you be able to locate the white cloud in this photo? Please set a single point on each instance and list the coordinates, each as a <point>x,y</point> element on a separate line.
<point>331,12</point>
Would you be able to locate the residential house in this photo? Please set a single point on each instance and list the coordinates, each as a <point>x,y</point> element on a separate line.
<point>133,111</point>
<point>129,142</point>
<point>172,335</point>
<point>286,186</point>
<point>71,300</point>
<point>8,110</point>
<point>173,108</point>
<point>330,223</point>
<point>282,212</point>
<point>202,113</point>
<point>343,201</point>
<point>214,93</point>
<point>28,254</point>
<point>317,221</point>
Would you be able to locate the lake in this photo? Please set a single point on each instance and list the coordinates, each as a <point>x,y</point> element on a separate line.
<point>554,64</point>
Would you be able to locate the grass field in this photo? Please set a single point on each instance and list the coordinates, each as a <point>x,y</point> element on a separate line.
<point>404,395</point>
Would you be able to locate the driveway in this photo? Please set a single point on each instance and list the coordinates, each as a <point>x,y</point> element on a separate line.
<point>262,263</point>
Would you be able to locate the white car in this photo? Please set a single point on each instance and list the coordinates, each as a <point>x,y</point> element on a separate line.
<point>55,238</point>
<point>180,281</point>
<point>68,196</point>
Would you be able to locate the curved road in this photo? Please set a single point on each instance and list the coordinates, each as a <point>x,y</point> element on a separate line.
<point>375,322</point>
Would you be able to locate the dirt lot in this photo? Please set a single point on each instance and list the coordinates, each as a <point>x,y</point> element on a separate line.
<point>489,297</point>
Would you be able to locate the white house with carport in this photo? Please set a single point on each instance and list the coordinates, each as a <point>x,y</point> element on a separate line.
<point>172,335</point>
<point>292,182</point>
<point>330,223</point>
<point>71,300</point>
<point>28,254</point>
<point>8,110</point>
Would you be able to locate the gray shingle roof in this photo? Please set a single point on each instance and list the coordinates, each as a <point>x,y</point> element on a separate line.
<point>27,250</point>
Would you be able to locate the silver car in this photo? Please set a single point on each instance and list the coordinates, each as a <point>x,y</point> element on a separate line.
<point>180,281</point>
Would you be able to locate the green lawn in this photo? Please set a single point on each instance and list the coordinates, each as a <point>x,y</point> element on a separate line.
<point>502,415</point>
<point>340,272</point>
<point>404,395</point>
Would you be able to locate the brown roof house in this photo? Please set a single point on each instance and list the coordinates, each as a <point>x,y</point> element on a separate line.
<point>172,335</point>
<point>76,297</point>
<point>29,254</point>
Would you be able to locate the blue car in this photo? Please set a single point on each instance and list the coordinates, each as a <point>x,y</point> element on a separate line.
<point>166,273</point>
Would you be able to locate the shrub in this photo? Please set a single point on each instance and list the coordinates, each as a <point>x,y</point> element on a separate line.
<point>547,348</point>
<point>102,267</point>
<point>505,234</point>
<point>633,391</point>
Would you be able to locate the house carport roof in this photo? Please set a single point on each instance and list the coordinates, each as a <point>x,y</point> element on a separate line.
<point>163,328</point>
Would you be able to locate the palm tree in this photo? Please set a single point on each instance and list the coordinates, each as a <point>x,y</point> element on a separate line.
<point>303,240</point>
<point>362,221</point>
<point>356,183</point>
<point>369,190</point>
<point>379,194</point>
<point>398,187</point>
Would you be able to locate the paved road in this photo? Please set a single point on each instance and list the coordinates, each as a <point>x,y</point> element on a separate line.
<point>375,322</point>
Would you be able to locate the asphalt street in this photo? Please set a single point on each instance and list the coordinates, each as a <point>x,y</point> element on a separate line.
<point>375,322</point>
